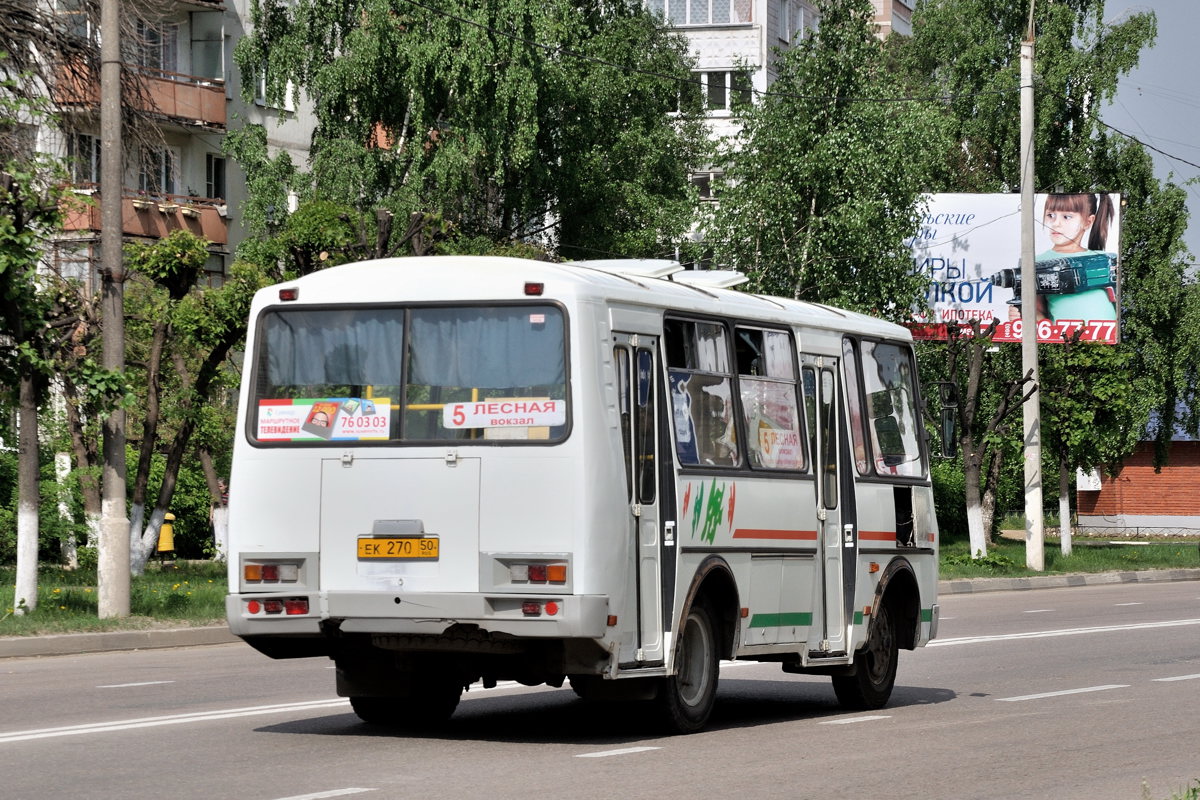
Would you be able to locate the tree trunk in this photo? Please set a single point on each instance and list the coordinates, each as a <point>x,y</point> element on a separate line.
<point>219,515</point>
<point>149,422</point>
<point>87,462</point>
<point>25,598</point>
<point>975,528</point>
<point>209,370</point>
<point>62,468</point>
<point>1064,503</point>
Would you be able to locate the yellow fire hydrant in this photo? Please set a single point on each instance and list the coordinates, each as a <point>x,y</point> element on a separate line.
<point>166,538</point>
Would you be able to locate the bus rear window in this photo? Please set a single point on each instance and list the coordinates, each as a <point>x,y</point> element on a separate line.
<point>410,374</point>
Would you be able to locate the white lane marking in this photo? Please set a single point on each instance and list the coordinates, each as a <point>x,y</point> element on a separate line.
<point>1063,693</point>
<point>330,793</point>
<point>127,685</point>
<point>852,720</point>
<point>1005,637</point>
<point>174,719</point>
<point>623,751</point>
<point>1039,611</point>
<point>1178,678</point>
<point>1118,605</point>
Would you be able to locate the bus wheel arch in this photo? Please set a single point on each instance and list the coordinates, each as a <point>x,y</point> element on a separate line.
<point>705,634</point>
<point>892,626</point>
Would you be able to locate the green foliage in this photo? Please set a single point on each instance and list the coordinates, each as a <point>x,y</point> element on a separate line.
<point>496,120</point>
<point>949,498</point>
<point>824,182</point>
<point>996,563</point>
<point>174,262</point>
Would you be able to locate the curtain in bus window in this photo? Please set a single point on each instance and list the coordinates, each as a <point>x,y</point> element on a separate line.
<point>894,425</point>
<point>489,348</point>
<point>703,411</point>
<point>325,349</point>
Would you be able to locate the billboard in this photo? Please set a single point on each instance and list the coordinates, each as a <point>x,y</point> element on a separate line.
<point>969,245</point>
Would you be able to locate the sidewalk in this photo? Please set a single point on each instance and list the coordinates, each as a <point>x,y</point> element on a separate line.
<point>78,643</point>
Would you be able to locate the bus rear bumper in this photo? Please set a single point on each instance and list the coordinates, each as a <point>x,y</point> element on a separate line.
<point>570,616</point>
<point>565,617</point>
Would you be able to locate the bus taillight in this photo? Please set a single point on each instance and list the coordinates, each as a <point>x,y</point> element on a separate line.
<point>271,572</point>
<point>534,608</point>
<point>537,573</point>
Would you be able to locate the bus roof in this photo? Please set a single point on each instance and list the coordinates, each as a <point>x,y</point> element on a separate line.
<point>643,282</point>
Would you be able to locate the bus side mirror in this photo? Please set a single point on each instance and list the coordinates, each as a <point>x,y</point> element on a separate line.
<point>949,431</point>
<point>948,425</point>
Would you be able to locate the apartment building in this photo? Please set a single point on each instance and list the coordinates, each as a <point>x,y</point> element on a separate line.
<point>735,44</point>
<point>181,178</point>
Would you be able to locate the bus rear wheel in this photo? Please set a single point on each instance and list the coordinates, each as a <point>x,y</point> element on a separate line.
<point>686,698</point>
<point>426,707</point>
<point>870,685</point>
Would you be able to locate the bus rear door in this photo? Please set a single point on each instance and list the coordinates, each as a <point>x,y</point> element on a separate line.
<point>637,388</point>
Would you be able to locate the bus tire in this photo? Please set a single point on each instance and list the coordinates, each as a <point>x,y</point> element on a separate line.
<point>869,686</point>
<point>686,698</point>
<point>431,706</point>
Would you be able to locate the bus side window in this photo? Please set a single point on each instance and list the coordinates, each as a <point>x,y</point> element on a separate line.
<point>862,461</point>
<point>624,410</point>
<point>644,421</point>
<point>701,387</point>
<point>770,408</point>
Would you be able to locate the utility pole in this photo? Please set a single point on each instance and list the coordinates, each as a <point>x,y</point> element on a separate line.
<point>113,568</point>
<point>1031,409</point>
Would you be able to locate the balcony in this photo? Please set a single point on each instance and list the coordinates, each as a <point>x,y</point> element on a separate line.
<point>154,216</point>
<point>189,100</point>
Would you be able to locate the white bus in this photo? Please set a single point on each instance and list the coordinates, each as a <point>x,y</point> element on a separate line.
<point>612,473</point>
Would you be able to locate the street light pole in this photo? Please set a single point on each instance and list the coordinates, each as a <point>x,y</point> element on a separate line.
<point>1031,409</point>
<point>112,579</point>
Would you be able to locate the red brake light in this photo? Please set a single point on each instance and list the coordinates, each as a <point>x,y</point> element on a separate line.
<point>289,293</point>
<point>534,289</point>
<point>531,608</point>
<point>270,572</point>
<point>296,605</point>
<point>537,573</point>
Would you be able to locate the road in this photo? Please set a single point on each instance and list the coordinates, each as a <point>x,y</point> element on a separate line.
<point>1087,692</point>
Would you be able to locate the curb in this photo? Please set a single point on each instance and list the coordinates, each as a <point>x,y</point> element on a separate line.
<point>79,643</point>
<point>973,585</point>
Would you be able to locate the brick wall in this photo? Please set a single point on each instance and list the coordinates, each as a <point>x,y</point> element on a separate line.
<point>1138,489</point>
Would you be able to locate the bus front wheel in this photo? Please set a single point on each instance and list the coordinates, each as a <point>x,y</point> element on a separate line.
<point>687,697</point>
<point>870,685</point>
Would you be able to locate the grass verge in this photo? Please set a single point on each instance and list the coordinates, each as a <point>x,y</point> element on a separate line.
<point>1006,558</point>
<point>190,593</point>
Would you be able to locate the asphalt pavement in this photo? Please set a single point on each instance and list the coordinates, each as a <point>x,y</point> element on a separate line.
<point>77,643</point>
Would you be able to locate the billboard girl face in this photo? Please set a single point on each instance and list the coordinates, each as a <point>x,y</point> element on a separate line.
<point>1067,218</point>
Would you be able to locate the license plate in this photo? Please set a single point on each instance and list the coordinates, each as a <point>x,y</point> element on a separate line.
<point>398,548</point>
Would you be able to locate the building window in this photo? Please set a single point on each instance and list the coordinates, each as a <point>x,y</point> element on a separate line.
<point>83,151</point>
<point>74,16</point>
<point>214,176</point>
<point>702,12</point>
<point>208,44</point>
<point>158,172</point>
<point>158,46</point>
<point>716,91</point>
<point>796,21</point>
<point>706,184</point>
<point>214,272</point>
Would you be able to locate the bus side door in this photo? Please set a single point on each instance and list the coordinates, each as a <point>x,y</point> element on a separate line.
<point>836,525</point>
<point>638,378</point>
